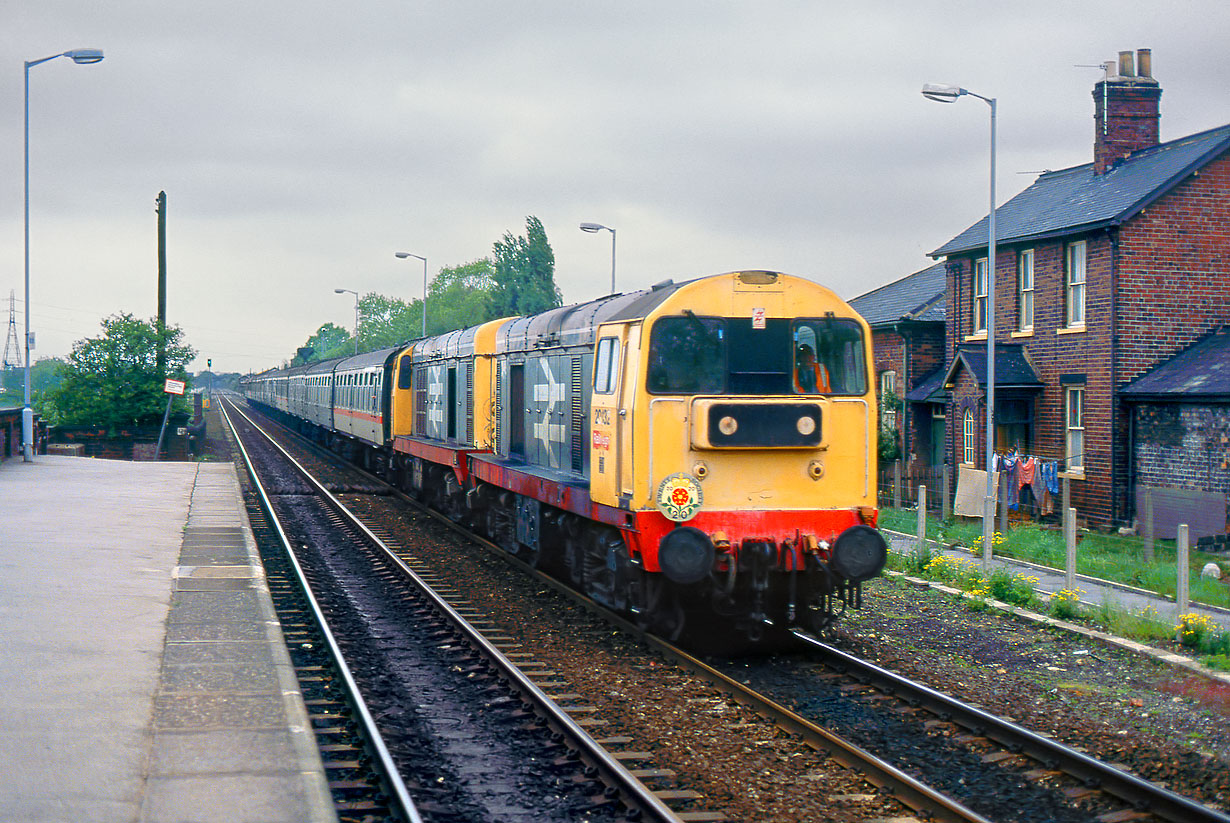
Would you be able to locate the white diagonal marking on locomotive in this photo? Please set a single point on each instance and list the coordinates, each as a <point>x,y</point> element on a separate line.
<point>544,430</point>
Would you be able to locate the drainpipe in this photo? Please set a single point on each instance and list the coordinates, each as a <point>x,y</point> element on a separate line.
<point>1115,508</point>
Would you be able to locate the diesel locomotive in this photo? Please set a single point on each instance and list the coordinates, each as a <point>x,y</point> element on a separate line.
<point>699,456</point>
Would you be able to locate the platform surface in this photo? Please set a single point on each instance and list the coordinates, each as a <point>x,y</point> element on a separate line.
<point>144,676</point>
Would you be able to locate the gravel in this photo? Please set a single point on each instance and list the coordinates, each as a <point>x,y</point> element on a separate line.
<point>1160,722</point>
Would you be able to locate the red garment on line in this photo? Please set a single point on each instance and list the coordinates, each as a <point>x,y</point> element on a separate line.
<point>1025,471</point>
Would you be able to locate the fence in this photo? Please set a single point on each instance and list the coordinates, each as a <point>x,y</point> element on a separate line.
<point>898,483</point>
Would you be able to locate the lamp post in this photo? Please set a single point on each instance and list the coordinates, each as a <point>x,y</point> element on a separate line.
<point>595,227</point>
<point>402,255</point>
<point>84,57</point>
<point>356,314</point>
<point>949,94</point>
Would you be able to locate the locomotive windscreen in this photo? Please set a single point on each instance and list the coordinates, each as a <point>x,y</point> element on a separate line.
<point>734,355</point>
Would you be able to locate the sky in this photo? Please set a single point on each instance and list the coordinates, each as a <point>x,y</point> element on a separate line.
<point>301,144</point>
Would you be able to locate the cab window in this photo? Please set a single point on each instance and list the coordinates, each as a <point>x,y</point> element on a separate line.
<point>606,365</point>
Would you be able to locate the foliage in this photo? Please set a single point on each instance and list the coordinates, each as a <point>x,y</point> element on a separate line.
<point>461,296</point>
<point>889,444</point>
<point>1193,628</point>
<point>44,375</point>
<point>1017,589</point>
<point>1065,603</point>
<point>524,273</point>
<point>387,321</point>
<point>330,340</point>
<point>113,380</point>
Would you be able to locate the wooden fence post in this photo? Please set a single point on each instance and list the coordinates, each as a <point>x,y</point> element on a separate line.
<point>922,519</point>
<point>988,527</point>
<point>946,494</point>
<point>1003,503</point>
<point>1147,526</point>
<point>1183,578</point>
<point>1069,539</point>
<point>896,484</point>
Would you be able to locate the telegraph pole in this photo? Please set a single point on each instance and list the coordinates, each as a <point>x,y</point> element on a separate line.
<point>161,209</point>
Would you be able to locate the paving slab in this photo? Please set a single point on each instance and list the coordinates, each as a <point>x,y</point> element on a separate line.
<point>145,676</point>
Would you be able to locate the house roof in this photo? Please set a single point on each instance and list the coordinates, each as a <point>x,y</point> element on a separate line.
<point>930,389</point>
<point>1012,366</point>
<point>919,297</point>
<point>1199,373</point>
<point>1076,199</point>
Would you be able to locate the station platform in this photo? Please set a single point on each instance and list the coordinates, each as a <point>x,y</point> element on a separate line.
<point>144,674</point>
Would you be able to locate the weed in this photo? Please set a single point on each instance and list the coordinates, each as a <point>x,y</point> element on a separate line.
<point>1065,603</point>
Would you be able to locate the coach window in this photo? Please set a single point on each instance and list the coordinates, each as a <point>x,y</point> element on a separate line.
<point>606,365</point>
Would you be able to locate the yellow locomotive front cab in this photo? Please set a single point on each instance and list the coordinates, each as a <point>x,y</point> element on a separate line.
<point>736,422</point>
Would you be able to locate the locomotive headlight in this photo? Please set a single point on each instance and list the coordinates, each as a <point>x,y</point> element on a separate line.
<point>728,425</point>
<point>806,425</point>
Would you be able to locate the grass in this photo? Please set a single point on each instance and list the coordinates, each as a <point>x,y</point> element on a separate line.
<point>1110,557</point>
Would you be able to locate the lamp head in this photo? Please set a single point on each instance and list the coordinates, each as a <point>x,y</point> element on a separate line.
<point>401,255</point>
<point>941,93</point>
<point>85,56</point>
<point>339,291</point>
<point>592,227</point>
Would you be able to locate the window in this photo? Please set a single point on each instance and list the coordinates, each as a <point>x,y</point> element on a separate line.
<point>1074,413</point>
<point>606,365</point>
<point>1075,285</point>
<point>967,436</point>
<point>888,399</point>
<point>733,356</point>
<point>1025,290</point>
<point>980,295</point>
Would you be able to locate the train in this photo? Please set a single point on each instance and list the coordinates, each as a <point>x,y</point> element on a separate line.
<point>699,456</point>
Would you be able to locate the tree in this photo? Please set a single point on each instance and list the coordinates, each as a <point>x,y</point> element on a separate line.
<point>113,380</point>
<point>525,273</point>
<point>461,296</point>
<point>387,321</point>
<point>329,338</point>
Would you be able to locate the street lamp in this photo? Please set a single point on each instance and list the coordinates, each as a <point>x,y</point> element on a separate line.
<point>595,227</point>
<point>356,314</point>
<point>402,255</point>
<point>949,94</point>
<point>83,56</point>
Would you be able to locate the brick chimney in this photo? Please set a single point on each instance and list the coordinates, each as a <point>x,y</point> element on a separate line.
<point>1125,109</point>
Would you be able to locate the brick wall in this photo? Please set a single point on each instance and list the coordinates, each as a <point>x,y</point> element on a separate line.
<point>1183,446</point>
<point>1060,356</point>
<point>913,351</point>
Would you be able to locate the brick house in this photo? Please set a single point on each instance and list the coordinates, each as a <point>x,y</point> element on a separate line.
<point>1179,439</point>
<point>1103,272</point>
<point>907,328</point>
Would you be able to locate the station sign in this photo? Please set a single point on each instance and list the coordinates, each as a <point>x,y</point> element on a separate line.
<point>174,387</point>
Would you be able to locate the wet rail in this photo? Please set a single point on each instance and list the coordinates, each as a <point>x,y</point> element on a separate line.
<point>593,779</point>
<point>1139,794</point>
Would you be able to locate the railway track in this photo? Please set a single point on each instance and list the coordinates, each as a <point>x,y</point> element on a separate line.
<point>991,782</point>
<point>475,728</point>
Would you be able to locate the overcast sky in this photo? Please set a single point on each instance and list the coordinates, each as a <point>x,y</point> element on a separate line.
<point>301,144</point>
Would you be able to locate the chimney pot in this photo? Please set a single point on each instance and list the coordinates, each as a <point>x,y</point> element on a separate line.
<point>1144,62</point>
<point>1126,64</point>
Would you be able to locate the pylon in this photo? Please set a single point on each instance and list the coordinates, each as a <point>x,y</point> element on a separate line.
<point>12,350</point>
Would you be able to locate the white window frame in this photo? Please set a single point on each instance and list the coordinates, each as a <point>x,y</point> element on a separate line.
<point>888,383</point>
<point>967,437</point>
<point>1074,428</point>
<point>1074,283</point>
<point>1025,290</point>
<point>979,303</point>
